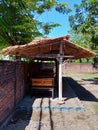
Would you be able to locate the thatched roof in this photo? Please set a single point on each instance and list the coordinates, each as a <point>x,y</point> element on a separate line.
<point>48,46</point>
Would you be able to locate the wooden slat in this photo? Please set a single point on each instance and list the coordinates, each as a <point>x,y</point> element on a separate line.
<point>42,81</point>
<point>42,88</point>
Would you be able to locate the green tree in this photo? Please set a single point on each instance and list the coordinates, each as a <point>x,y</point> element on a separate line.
<point>18,23</point>
<point>85,21</point>
<point>78,38</point>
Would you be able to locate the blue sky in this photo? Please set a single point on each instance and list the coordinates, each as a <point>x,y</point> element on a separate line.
<point>62,19</point>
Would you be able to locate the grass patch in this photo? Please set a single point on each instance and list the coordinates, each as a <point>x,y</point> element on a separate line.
<point>95,105</point>
<point>89,75</point>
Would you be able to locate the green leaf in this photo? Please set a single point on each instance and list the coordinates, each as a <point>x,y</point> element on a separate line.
<point>17,19</point>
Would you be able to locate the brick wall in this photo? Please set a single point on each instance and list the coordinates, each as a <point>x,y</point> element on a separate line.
<point>14,82</point>
<point>12,86</point>
<point>78,68</point>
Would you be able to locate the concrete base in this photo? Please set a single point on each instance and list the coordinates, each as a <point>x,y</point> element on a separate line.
<point>69,101</point>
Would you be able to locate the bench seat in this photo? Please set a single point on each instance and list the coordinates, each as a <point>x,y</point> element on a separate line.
<point>43,84</point>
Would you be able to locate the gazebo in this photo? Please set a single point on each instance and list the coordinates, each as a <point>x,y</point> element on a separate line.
<point>58,49</point>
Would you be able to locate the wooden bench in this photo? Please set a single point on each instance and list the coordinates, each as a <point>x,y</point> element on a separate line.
<point>43,84</point>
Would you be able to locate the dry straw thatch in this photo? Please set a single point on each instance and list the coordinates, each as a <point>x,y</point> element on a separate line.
<point>49,46</point>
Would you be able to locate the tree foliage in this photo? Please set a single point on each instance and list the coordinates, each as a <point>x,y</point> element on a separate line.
<point>78,38</point>
<point>85,21</point>
<point>18,23</point>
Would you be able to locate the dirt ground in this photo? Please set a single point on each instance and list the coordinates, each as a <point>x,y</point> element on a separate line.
<point>86,88</point>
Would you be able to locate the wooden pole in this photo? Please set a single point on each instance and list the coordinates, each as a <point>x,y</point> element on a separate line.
<point>60,70</point>
<point>60,77</point>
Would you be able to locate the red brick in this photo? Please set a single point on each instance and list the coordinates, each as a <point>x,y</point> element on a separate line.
<point>7,75</point>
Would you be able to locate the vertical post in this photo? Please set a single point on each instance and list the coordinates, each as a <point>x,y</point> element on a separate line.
<point>15,67</point>
<point>60,77</point>
<point>15,79</point>
<point>60,70</point>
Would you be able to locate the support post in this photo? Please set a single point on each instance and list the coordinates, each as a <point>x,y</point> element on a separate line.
<point>60,77</point>
<point>15,67</point>
<point>60,71</point>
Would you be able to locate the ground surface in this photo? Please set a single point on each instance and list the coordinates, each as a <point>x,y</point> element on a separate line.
<point>84,88</point>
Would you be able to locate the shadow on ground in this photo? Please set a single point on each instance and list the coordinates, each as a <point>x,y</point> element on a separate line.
<point>30,119</point>
<point>92,81</point>
<point>80,91</point>
<point>33,119</point>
